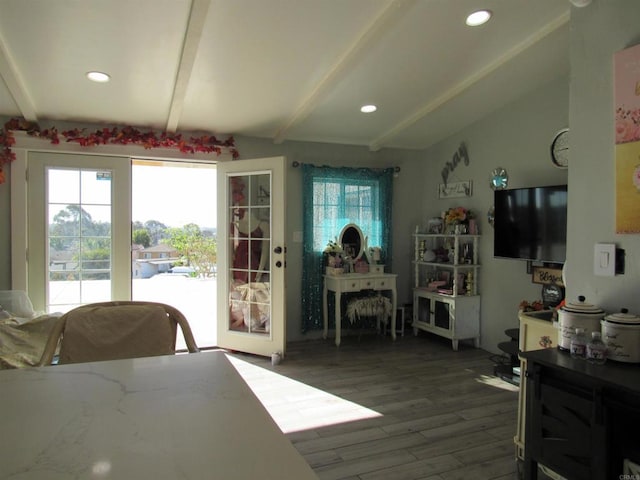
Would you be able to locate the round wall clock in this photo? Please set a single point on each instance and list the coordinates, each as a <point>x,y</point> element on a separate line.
<point>560,149</point>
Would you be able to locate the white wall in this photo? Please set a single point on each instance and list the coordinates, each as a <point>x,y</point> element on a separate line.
<point>517,138</point>
<point>597,32</point>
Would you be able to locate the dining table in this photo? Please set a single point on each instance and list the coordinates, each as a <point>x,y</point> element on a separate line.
<point>188,416</point>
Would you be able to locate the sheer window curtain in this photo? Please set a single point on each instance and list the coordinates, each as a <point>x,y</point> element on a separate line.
<point>332,198</point>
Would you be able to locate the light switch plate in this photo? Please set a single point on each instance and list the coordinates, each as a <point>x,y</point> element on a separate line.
<point>604,259</point>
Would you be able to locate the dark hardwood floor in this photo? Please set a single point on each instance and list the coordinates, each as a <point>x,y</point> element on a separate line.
<point>377,409</point>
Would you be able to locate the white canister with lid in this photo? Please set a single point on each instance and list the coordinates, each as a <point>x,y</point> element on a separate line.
<point>621,333</point>
<point>574,315</point>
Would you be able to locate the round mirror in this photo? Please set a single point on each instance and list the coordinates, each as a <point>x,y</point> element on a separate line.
<point>352,241</point>
<point>499,179</point>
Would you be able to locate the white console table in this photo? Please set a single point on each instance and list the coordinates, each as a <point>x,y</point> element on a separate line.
<point>356,282</point>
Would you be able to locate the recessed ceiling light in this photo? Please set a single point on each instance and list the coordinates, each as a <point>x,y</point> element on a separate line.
<point>478,18</point>
<point>368,108</point>
<point>98,77</point>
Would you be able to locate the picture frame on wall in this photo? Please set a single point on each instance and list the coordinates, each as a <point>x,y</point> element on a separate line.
<point>627,139</point>
<point>455,189</point>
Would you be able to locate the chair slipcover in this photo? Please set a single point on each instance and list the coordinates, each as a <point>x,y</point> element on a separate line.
<point>115,330</point>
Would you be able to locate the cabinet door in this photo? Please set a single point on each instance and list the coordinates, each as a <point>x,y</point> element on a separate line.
<point>442,314</point>
<point>563,430</point>
<point>423,310</point>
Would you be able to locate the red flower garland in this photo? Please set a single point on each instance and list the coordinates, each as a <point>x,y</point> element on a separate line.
<point>123,136</point>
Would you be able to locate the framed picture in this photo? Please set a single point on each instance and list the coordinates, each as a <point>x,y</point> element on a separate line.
<point>434,225</point>
<point>455,189</point>
<point>627,141</point>
<point>445,276</point>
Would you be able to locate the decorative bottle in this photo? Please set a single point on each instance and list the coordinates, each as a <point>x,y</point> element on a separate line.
<point>578,344</point>
<point>596,349</point>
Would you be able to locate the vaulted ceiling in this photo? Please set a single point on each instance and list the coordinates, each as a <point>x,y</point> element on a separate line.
<point>278,69</point>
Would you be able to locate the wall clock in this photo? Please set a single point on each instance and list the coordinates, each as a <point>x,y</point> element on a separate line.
<point>560,149</point>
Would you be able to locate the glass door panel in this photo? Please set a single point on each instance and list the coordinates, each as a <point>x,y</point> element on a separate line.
<point>251,256</point>
<point>250,244</point>
<point>85,257</point>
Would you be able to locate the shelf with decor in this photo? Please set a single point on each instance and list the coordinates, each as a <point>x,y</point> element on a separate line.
<point>446,301</point>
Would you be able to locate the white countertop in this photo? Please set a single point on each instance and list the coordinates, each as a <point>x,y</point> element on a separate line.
<point>171,417</point>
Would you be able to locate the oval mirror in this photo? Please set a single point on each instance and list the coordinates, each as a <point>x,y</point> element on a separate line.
<point>352,241</point>
<point>499,179</point>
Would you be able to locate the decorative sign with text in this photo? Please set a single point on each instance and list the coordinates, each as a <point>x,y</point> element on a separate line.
<point>547,276</point>
<point>455,189</point>
<point>460,156</point>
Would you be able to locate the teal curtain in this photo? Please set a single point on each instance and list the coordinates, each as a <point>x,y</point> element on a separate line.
<point>333,197</point>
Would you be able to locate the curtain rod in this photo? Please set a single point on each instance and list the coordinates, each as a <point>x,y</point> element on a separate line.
<point>296,164</point>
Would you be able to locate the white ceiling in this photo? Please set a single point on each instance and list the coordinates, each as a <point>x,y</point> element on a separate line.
<point>278,69</point>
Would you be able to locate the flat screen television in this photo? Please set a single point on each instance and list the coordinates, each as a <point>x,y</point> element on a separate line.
<point>531,223</point>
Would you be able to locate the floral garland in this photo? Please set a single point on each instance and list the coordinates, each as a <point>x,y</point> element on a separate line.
<point>117,136</point>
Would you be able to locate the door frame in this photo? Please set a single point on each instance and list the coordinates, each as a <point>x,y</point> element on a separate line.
<point>19,190</point>
<point>37,194</point>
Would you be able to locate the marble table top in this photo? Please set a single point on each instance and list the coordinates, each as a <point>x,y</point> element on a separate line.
<point>170,417</point>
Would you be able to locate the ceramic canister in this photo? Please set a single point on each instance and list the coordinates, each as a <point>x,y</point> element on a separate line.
<point>574,315</point>
<point>621,333</point>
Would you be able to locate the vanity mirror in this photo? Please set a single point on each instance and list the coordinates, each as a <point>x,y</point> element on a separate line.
<point>352,241</point>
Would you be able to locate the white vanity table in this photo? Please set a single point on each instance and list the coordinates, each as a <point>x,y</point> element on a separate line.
<point>356,282</point>
<point>354,245</point>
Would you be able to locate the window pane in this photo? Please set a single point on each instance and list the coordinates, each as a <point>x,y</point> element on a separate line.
<point>337,203</point>
<point>95,187</point>
<point>79,237</point>
<point>64,186</point>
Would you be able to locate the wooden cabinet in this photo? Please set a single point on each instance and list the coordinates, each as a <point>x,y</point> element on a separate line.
<point>582,419</point>
<point>445,295</point>
<point>537,331</point>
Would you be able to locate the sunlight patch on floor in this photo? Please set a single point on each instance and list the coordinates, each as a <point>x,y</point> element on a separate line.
<point>497,382</point>
<point>295,406</point>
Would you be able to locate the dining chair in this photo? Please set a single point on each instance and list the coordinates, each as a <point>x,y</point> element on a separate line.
<point>115,330</point>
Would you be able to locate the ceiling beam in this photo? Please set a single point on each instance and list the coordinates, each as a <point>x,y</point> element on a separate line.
<point>466,83</point>
<point>190,45</point>
<point>349,58</point>
<point>16,85</point>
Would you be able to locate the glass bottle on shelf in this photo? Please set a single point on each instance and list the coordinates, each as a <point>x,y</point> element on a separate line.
<point>596,349</point>
<point>578,344</point>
